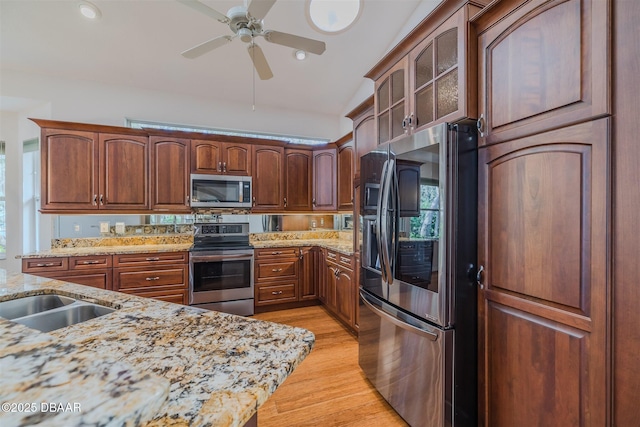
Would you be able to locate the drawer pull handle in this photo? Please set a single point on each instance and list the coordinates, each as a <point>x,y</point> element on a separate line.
<point>276,270</point>
<point>276,253</point>
<point>330,255</point>
<point>90,262</point>
<point>152,278</point>
<point>152,259</point>
<point>276,292</point>
<point>343,259</point>
<point>48,264</point>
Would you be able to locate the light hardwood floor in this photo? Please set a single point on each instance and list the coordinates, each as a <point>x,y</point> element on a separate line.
<point>328,388</point>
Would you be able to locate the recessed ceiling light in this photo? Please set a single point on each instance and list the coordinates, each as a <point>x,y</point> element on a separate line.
<point>89,10</point>
<point>331,16</point>
<point>300,54</point>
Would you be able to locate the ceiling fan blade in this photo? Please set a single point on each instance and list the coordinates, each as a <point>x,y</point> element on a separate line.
<point>296,42</point>
<point>207,46</point>
<point>259,62</point>
<point>259,8</point>
<point>203,8</point>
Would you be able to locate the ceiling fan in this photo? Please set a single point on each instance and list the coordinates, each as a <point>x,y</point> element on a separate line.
<point>246,23</point>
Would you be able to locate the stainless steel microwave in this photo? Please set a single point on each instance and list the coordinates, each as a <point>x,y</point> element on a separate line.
<point>220,191</point>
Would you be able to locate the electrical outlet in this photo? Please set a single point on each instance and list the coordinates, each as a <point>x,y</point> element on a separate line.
<point>104,227</point>
<point>76,228</point>
<point>119,227</point>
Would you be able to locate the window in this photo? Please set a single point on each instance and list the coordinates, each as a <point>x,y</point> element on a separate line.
<point>139,124</point>
<point>30,195</point>
<point>3,215</point>
<point>427,224</point>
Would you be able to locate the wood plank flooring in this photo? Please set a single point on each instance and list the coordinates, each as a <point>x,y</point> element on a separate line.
<point>328,388</point>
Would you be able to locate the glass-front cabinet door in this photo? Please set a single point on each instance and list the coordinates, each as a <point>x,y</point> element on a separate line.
<point>437,78</point>
<point>391,103</point>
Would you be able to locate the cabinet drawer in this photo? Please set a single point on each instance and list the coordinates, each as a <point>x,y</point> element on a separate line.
<point>286,269</point>
<point>42,265</point>
<point>345,261</point>
<point>276,294</point>
<point>276,252</point>
<point>145,278</point>
<point>89,262</point>
<point>174,295</point>
<point>98,278</point>
<point>148,259</point>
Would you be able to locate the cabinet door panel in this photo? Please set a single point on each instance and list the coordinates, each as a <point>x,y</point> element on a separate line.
<point>170,174</point>
<point>542,67</point>
<point>543,242</point>
<point>100,279</point>
<point>325,180</point>
<point>125,172</point>
<point>345,304</point>
<point>236,159</point>
<point>345,178</point>
<point>75,185</point>
<point>268,178</point>
<point>206,157</point>
<point>298,180</point>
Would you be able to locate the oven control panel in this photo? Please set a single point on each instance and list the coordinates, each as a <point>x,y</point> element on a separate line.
<point>222,229</point>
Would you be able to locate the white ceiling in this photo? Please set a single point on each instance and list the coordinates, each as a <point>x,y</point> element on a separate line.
<point>137,43</point>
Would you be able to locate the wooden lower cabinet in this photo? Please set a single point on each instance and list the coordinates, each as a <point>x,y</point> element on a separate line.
<point>94,271</point>
<point>340,288</point>
<point>543,304</point>
<point>310,258</point>
<point>162,276</point>
<point>276,273</point>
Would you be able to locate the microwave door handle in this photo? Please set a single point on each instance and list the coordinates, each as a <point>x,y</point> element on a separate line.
<point>240,199</point>
<point>385,226</point>
<point>380,239</point>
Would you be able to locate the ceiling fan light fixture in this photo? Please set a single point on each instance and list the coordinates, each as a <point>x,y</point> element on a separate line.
<point>300,55</point>
<point>89,10</point>
<point>245,35</point>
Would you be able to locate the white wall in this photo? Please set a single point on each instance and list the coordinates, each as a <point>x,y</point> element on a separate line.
<point>98,103</point>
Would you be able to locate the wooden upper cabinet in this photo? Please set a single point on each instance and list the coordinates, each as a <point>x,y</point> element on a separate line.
<point>364,131</point>
<point>543,242</point>
<point>170,174</point>
<point>298,178</point>
<point>542,66</point>
<point>76,185</point>
<point>218,158</point>
<point>391,103</point>
<point>124,174</point>
<point>325,180</point>
<point>86,171</point>
<point>433,81</point>
<point>345,176</point>
<point>268,178</point>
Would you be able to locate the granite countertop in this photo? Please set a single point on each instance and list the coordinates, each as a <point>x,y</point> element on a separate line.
<point>343,246</point>
<point>108,250</point>
<point>148,363</point>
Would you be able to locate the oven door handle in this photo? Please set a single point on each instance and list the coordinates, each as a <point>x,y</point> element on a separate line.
<point>216,258</point>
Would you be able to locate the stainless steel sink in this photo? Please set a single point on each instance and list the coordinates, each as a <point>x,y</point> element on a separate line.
<point>65,316</point>
<point>26,306</point>
<point>50,312</point>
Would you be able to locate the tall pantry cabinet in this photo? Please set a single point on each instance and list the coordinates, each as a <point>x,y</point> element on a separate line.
<point>544,215</point>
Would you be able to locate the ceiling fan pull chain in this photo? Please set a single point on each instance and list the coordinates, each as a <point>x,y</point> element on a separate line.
<point>253,80</point>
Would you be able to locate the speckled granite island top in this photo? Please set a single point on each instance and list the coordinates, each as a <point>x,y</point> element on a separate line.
<point>148,363</point>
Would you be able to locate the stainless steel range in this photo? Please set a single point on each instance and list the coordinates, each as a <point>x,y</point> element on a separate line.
<point>221,268</point>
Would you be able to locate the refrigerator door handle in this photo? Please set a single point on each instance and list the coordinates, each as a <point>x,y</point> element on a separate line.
<point>384,219</point>
<point>379,233</point>
<point>397,322</point>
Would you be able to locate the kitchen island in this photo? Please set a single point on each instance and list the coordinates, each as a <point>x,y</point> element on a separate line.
<point>147,363</point>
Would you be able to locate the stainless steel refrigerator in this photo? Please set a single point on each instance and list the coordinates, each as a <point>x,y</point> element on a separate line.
<point>418,319</point>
